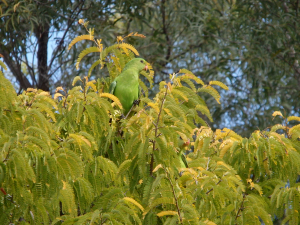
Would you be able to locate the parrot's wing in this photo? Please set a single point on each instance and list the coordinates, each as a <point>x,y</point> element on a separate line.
<point>112,87</point>
<point>184,160</point>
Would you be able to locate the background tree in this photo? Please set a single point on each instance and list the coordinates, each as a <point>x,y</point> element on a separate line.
<point>35,33</point>
<point>250,45</point>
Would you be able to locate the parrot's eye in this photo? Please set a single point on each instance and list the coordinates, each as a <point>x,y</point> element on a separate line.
<point>142,61</point>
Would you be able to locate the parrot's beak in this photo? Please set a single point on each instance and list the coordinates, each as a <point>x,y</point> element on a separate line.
<point>187,143</point>
<point>146,68</point>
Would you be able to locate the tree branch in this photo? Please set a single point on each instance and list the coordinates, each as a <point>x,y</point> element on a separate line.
<point>70,22</point>
<point>30,69</point>
<point>165,30</point>
<point>241,208</point>
<point>15,68</point>
<point>54,70</point>
<point>212,188</point>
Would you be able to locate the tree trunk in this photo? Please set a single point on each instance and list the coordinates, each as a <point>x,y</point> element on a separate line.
<point>42,35</point>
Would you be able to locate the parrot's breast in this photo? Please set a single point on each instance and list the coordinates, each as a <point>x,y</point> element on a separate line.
<point>127,93</point>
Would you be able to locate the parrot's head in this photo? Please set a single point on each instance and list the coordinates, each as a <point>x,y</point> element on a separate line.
<point>139,63</point>
<point>184,143</point>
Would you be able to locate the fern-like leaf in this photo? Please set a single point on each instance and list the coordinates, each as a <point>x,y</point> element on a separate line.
<point>220,84</point>
<point>131,200</point>
<point>277,113</point>
<point>84,53</point>
<point>295,118</point>
<point>190,75</point>
<point>93,66</point>
<point>67,199</point>
<point>80,38</point>
<point>126,46</point>
<point>167,213</point>
<point>210,90</point>
<point>112,97</point>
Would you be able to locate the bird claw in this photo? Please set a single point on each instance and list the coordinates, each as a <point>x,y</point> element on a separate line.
<point>136,102</point>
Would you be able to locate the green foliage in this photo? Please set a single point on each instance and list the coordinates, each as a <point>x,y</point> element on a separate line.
<point>70,159</point>
<point>7,93</point>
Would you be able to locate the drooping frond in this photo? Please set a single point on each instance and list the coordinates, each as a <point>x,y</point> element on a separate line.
<point>277,113</point>
<point>112,97</point>
<point>277,127</point>
<point>84,53</point>
<point>80,38</point>
<point>126,47</point>
<point>77,78</point>
<point>296,118</point>
<point>167,213</point>
<point>136,34</point>
<point>210,90</point>
<point>134,202</point>
<point>190,75</point>
<point>123,46</point>
<point>218,83</point>
<point>96,63</point>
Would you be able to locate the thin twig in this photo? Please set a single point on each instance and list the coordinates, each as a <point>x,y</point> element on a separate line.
<point>213,188</point>
<point>6,158</point>
<point>242,207</point>
<point>58,67</point>
<point>207,163</point>
<point>54,54</point>
<point>156,130</point>
<point>173,191</point>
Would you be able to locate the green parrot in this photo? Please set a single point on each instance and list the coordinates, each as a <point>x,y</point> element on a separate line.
<point>126,86</point>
